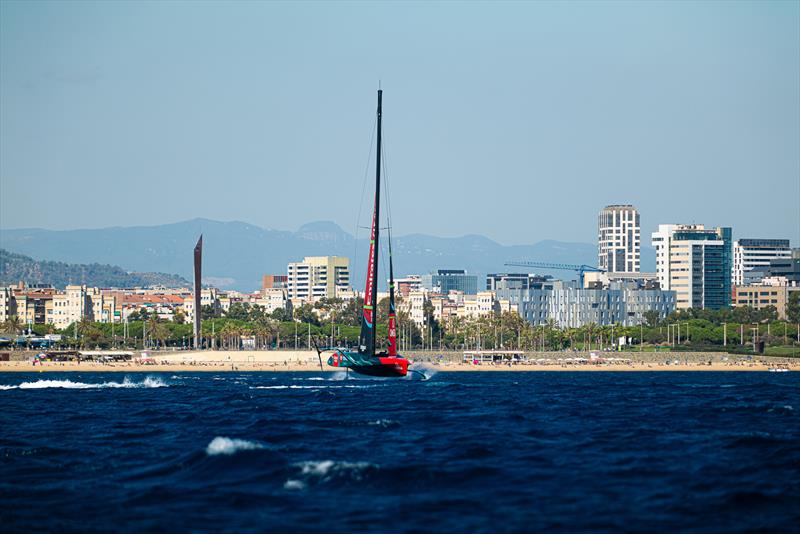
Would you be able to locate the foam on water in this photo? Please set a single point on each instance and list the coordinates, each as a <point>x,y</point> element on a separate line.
<point>426,371</point>
<point>339,375</point>
<point>324,470</point>
<point>148,382</point>
<point>292,484</point>
<point>228,446</point>
<point>383,423</point>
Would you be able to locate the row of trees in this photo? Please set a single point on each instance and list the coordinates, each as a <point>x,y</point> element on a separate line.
<point>335,322</point>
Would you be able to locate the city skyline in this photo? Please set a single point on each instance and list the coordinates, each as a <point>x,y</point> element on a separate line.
<point>527,113</point>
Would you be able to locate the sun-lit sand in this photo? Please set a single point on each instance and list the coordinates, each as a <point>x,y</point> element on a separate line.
<point>128,367</point>
<point>305,360</point>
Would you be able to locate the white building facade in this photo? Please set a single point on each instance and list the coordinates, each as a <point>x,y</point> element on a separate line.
<point>318,277</point>
<point>751,258</point>
<point>619,239</point>
<point>695,262</point>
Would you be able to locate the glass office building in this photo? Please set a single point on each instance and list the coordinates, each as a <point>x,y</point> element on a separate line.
<point>445,280</point>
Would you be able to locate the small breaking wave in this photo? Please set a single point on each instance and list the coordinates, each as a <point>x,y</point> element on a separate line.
<point>317,472</point>
<point>227,446</point>
<point>423,372</point>
<point>148,382</point>
<point>384,423</point>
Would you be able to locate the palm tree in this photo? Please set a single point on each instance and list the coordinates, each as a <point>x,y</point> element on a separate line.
<point>229,332</point>
<point>264,330</point>
<point>158,331</point>
<point>12,325</point>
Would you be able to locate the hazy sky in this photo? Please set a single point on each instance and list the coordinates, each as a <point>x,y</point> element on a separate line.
<point>518,121</point>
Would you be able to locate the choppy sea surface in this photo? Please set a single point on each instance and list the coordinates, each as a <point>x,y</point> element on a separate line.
<point>457,452</point>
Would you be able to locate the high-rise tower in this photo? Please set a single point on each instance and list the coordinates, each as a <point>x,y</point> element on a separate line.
<point>618,239</point>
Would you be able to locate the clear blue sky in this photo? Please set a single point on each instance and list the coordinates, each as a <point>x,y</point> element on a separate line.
<point>518,121</point>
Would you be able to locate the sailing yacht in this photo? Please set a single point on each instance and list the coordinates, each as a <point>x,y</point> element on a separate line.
<point>366,360</point>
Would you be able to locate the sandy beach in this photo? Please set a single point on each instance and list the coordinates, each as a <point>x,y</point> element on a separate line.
<point>26,367</point>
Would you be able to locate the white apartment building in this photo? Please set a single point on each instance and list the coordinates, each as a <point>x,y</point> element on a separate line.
<point>695,263</point>
<point>208,297</point>
<point>414,305</point>
<point>482,304</point>
<point>751,258</point>
<point>619,239</point>
<point>80,302</point>
<point>71,306</point>
<point>8,306</point>
<point>318,277</point>
<point>273,298</point>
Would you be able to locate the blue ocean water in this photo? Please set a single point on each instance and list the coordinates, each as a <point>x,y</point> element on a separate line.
<point>458,452</point>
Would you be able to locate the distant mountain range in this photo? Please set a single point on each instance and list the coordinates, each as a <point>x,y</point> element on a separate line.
<point>237,254</point>
<point>16,267</point>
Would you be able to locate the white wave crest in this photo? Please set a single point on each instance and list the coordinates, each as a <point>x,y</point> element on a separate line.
<point>294,485</point>
<point>325,469</point>
<point>339,375</point>
<point>383,423</point>
<point>228,446</point>
<point>422,371</point>
<point>148,382</point>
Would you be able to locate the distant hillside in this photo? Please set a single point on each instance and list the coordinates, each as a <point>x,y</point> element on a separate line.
<point>16,267</point>
<point>237,254</point>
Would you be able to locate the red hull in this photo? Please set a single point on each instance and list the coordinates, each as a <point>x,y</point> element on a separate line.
<point>389,367</point>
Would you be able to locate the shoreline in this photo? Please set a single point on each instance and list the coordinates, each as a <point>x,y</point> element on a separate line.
<point>57,367</point>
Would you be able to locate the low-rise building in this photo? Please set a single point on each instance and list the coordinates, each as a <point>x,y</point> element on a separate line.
<point>482,304</point>
<point>622,303</point>
<point>764,295</point>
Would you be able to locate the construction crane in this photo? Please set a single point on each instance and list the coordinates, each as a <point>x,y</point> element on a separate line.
<point>580,269</point>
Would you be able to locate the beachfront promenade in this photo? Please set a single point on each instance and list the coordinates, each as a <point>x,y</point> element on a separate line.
<point>305,360</point>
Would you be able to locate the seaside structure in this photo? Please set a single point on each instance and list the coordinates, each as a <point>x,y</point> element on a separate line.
<point>623,303</point>
<point>752,257</point>
<point>198,266</point>
<point>445,280</point>
<point>696,263</point>
<point>318,277</point>
<point>618,239</point>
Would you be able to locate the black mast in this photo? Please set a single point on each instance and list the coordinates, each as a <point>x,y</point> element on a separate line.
<point>374,302</point>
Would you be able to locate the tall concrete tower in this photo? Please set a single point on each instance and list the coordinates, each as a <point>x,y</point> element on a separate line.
<point>198,305</point>
<point>618,239</point>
